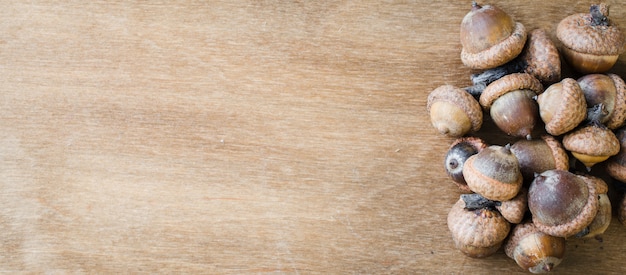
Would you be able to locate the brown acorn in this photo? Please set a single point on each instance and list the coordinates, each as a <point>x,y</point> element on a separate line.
<point>493,173</point>
<point>562,204</point>
<point>534,250</point>
<point>608,90</point>
<point>460,150</point>
<point>591,41</point>
<point>562,106</point>
<point>591,144</point>
<point>539,155</point>
<point>477,233</point>
<point>453,111</point>
<point>490,37</point>
<point>511,105</point>
<point>602,219</point>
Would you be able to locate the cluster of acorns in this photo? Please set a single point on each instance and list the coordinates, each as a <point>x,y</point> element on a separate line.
<point>529,197</point>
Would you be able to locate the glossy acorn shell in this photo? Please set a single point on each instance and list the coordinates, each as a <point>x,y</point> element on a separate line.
<point>490,37</point>
<point>562,204</point>
<point>539,155</point>
<point>477,233</point>
<point>493,173</point>
<point>534,250</point>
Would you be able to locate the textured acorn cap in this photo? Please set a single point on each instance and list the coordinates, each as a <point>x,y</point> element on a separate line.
<point>616,165</point>
<point>571,108</point>
<point>561,159</point>
<point>616,170</point>
<point>575,224</point>
<point>592,140</point>
<point>542,57</point>
<point>498,54</point>
<point>619,111</point>
<point>507,83</point>
<point>460,98</point>
<point>514,209</point>
<point>577,33</point>
<point>480,228</point>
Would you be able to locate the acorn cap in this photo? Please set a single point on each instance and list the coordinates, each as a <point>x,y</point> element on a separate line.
<point>577,33</point>
<point>600,186</point>
<point>616,165</point>
<point>616,170</point>
<point>561,159</point>
<point>501,53</point>
<point>572,108</point>
<point>542,57</point>
<point>576,224</point>
<point>592,140</point>
<point>621,211</point>
<point>507,83</point>
<point>460,98</point>
<point>481,228</point>
<point>619,112</point>
<point>514,209</point>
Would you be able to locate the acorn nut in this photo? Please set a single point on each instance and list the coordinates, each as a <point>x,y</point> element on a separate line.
<point>608,90</point>
<point>490,37</point>
<point>591,41</point>
<point>511,105</point>
<point>479,232</point>
<point>591,144</point>
<point>562,204</point>
<point>460,150</point>
<point>539,155</point>
<point>493,173</point>
<point>562,106</point>
<point>453,111</point>
<point>534,250</point>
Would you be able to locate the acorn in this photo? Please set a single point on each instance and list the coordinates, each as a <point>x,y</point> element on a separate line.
<point>608,90</point>
<point>539,155</point>
<point>493,173</point>
<point>453,111</point>
<point>602,219</point>
<point>562,204</point>
<point>591,144</point>
<point>511,105</point>
<point>562,106</point>
<point>477,233</point>
<point>514,209</point>
<point>591,41</point>
<point>616,165</point>
<point>490,37</point>
<point>460,150</point>
<point>534,250</point>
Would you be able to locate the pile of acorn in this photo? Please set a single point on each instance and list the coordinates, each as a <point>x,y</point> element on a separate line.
<point>528,196</point>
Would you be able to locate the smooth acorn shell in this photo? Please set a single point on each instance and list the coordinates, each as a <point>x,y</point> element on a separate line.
<point>490,37</point>
<point>493,173</point>
<point>562,106</point>
<point>599,89</point>
<point>562,203</point>
<point>477,233</point>
<point>460,150</point>
<point>515,113</point>
<point>539,155</point>
<point>534,250</point>
<point>453,111</point>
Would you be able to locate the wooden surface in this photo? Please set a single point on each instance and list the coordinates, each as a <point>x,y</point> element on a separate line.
<point>240,137</point>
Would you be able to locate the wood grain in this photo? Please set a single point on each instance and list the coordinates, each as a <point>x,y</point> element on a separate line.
<point>240,137</point>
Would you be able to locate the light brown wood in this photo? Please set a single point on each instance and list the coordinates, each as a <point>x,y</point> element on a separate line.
<point>240,137</point>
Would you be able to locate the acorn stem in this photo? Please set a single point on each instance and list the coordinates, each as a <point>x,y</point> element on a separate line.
<point>516,65</point>
<point>475,201</point>
<point>596,113</point>
<point>599,15</point>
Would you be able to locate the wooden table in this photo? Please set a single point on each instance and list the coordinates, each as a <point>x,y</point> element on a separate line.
<point>240,137</point>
